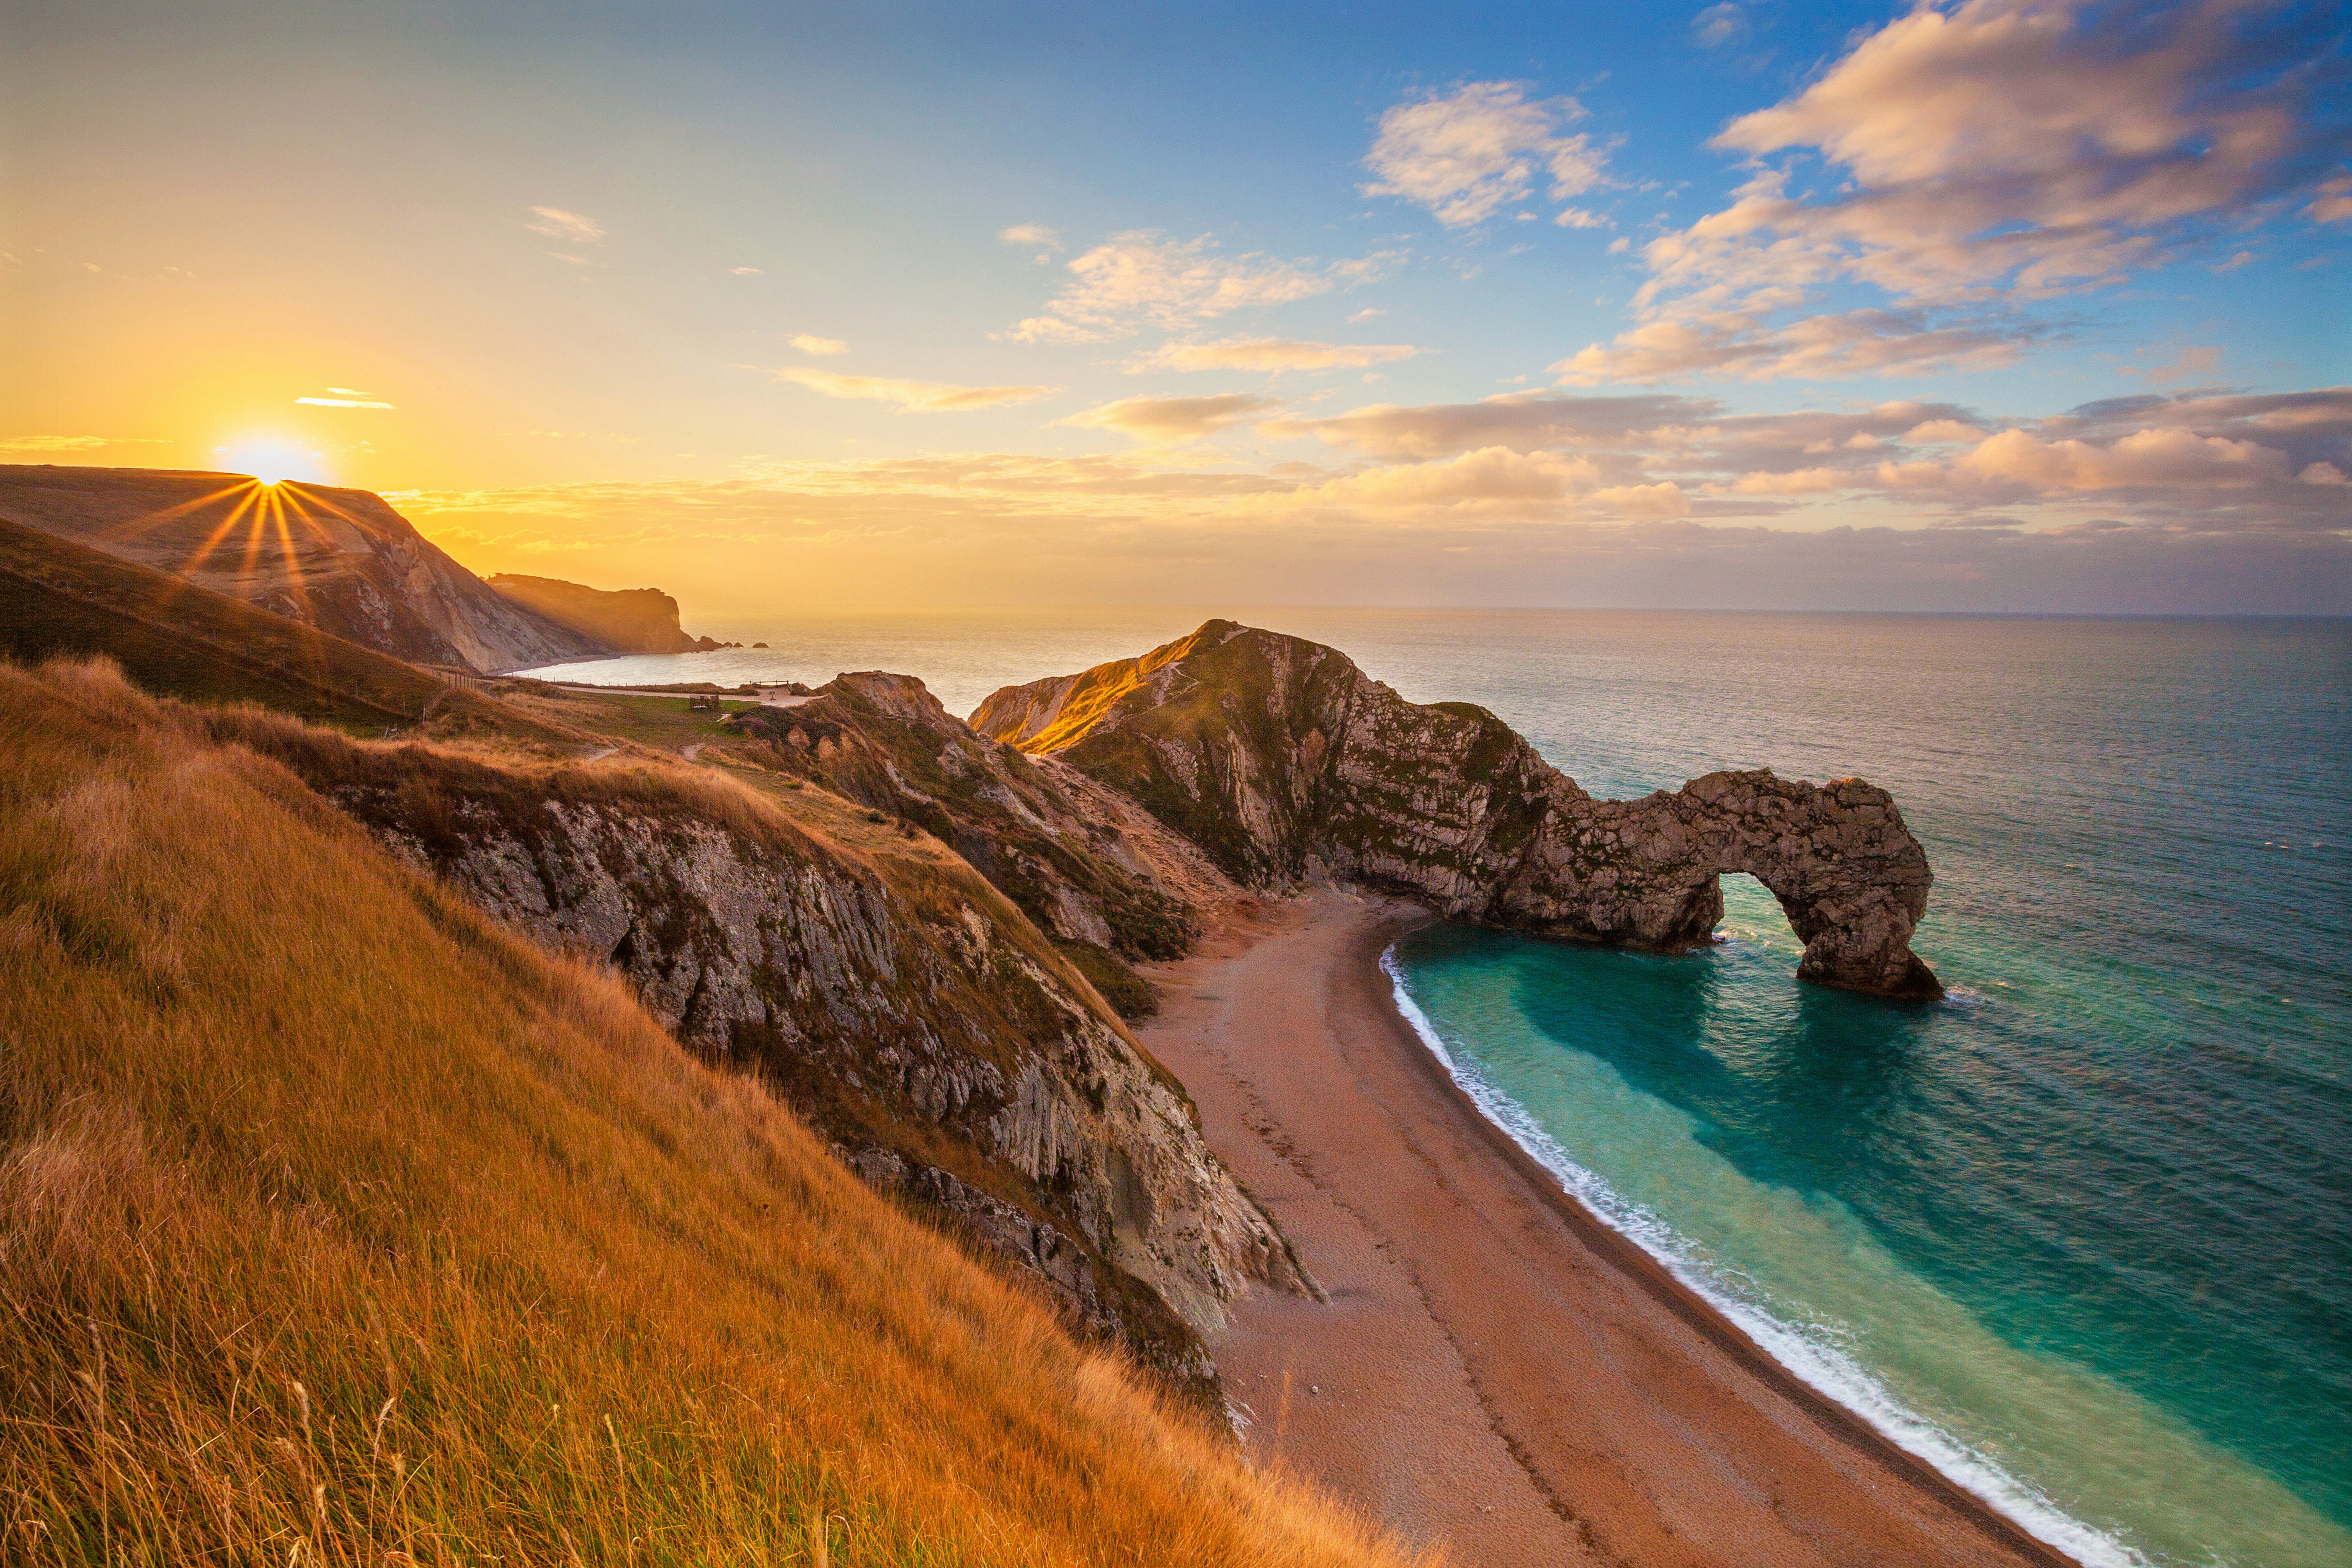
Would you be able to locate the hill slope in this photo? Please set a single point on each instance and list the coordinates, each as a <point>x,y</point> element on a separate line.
<point>337,1224</point>
<point>885,741</point>
<point>339,560</point>
<point>59,597</point>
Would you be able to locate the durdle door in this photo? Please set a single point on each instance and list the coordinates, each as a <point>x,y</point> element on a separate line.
<point>1281,759</point>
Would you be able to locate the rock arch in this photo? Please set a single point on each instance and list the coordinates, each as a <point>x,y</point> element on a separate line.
<point>1281,759</point>
<point>1845,870</point>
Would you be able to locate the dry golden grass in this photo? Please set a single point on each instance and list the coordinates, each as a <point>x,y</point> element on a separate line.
<point>340,1226</point>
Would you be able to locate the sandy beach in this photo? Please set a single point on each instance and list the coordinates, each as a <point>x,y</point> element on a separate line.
<point>1495,1371</point>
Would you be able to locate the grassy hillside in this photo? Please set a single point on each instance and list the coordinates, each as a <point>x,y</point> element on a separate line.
<point>59,598</point>
<point>338,1225</point>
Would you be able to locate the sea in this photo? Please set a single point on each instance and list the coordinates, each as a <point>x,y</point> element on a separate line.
<point>2080,1235</point>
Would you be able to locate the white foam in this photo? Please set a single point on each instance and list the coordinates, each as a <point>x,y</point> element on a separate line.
<point>1811,1355</point>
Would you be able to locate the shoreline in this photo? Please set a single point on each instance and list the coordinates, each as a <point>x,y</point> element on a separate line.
<point>1499,1370</point>
<point>1655,1275</point>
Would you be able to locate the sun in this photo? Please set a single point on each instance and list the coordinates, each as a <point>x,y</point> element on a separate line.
<point>272,460</point>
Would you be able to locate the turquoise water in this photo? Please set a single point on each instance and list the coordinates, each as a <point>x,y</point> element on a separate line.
<point>2079,1234</point>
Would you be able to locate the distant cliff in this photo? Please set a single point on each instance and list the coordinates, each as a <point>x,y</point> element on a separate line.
<point>339,559</point>
<point>627,620</point>
<point>1280,758</point>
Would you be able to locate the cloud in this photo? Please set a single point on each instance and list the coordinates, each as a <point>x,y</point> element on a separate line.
<point>2189,364</point>
<point>571,228</point>
<point>1173,421</point>
<point>1366,314</point>
<point>809,344</point>
<point>1577,218</point>
<point>1467,154</point>
<point>1858,342</point>
<point>1489,479</point>
<point>2322,473</point>
<point>2016,461</point>
<point>2216,461</point>
<point>744,271</point>
<point>915,396</point>
<point>1268,354</point>
<point>353,402</point>
<point>76,443</point>
<point>1521,421</point>
<point>1797,482</point>
<point>1142,278</point>
<point>1928,432</point>
<point>1718,25</point>
<point>2031,146</point>
<point>1035,235</point>
<point>2334,203</point>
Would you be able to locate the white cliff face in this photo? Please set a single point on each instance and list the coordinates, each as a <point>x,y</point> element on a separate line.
<point>947,1056</point>
<point>1282,760</point>
<point>339,559</point>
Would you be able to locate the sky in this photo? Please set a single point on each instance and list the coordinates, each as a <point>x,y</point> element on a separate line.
<point>2014,305</point>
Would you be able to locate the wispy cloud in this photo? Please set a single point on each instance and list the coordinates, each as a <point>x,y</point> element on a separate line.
<point>570,227</point>
<point>1467,154</point>
<point>76,443</point>
<point>1142,278</point>
<point>1719,24</point>
<point>1173,421</point>
<point>810,343</point>
<point>745,271</point>
<point>1035,235</point>
<point>1857,342</point>
<point>1268,354</point>
<point>915,396</point>
<point>2194,364</point>
<point>344,397</point>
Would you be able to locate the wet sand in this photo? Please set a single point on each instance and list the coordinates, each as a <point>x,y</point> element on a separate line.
<point>1495,1371</point>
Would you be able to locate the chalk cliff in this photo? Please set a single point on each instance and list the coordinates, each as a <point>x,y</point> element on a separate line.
<point>341,561</point>
<point>913,1015</point>
<point>1281,759</point>
<point>627,620</point>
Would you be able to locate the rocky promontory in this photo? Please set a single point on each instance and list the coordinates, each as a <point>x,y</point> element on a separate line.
<point>1283,760</point>
<point>627,620</point>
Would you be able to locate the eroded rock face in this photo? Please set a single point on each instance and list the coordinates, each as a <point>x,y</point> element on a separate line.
<point>919,1021</point>
<point>1281,759</point>
<point>884,741</point>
